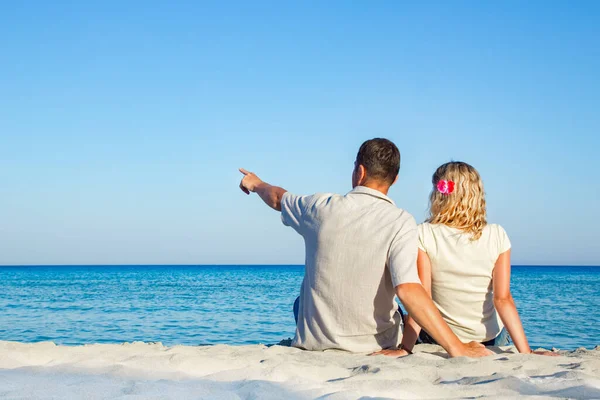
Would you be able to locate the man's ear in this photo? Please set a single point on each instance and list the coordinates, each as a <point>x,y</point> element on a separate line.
<point>395,179</point>
<point>361,175</point>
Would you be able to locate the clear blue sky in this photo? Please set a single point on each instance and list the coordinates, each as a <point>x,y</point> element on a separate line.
<point>122,124</point>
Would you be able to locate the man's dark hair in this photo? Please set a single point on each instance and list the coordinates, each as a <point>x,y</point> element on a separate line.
<point>381,159</point>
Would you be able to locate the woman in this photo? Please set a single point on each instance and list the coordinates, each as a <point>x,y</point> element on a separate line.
<point>464,264</point>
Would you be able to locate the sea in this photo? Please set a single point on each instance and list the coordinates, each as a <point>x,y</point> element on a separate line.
<point>239,305</point>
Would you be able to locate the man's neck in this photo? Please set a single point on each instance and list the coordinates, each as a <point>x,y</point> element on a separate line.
<point>377,186</point>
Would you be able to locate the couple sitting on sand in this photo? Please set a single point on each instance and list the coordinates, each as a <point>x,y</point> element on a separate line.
<point>451,273</point>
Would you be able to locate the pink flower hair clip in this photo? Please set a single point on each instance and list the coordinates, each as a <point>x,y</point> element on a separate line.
<point>445,187</point>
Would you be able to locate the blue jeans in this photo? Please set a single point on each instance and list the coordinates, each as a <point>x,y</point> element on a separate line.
<point>296,309</point>
<point>501,340</point>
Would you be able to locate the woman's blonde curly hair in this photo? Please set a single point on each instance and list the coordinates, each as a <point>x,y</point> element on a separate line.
<point>464,208</point>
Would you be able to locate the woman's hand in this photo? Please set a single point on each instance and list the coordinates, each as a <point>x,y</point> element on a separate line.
<point>391,353</point>
<point>545,353</point>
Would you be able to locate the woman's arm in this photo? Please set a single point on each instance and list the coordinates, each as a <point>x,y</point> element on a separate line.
<point>505,305</point>
<point>411,328</point>
<point>506,308</point>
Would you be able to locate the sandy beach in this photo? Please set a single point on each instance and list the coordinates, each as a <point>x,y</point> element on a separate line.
<point>151,370</point>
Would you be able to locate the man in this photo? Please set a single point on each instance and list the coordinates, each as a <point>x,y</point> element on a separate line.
<point>361,251</point>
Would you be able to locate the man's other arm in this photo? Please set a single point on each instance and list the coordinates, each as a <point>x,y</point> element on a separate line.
<point>270,194</point>
<point>421,308</point>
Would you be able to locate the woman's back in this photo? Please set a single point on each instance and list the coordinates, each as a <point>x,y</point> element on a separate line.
<point>461,277</point>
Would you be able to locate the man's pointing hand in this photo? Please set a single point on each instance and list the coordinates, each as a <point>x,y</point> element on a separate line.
<point>249,182</point>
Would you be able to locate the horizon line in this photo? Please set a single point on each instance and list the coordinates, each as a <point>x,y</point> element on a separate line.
<point>239,265</point>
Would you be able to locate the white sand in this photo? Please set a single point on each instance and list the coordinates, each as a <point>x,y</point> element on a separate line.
<point>142,371</point>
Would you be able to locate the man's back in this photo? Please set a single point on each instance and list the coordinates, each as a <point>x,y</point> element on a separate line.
<point>347,296</point>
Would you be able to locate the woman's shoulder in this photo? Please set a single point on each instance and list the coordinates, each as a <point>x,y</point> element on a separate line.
<point>426,237</point>
<point>495,229</point>
<point>425,228</point>
<point>429,227</point>
<point>429,233</point>
<point>498,236</point>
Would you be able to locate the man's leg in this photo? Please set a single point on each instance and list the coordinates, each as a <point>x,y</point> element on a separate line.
<point>296,309</point>
<point>402,316</point>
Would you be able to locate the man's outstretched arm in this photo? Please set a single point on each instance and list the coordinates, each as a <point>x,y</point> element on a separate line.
<point>271,195</point>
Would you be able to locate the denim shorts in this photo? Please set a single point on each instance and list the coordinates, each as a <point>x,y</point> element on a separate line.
<point>503,339</point>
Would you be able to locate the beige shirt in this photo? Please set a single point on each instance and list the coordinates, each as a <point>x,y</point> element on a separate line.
<point>461,278</point>
<point>359,247</point>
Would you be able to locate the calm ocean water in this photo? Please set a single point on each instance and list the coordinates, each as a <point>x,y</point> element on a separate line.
<point>560,306</point>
